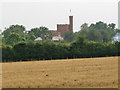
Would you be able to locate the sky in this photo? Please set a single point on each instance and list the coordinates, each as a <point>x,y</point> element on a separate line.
<point>49,13</point>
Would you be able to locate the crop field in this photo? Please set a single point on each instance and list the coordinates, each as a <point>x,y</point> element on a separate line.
<point>68,73</point>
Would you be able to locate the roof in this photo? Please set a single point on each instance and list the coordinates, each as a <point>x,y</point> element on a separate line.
<point>57,38</point>
<point>38,39</point>
<point>63,24</point>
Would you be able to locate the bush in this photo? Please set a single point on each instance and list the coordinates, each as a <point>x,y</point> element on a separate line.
<point>47,50</point>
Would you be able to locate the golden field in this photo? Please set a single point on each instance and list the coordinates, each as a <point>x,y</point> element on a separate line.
<point>69,73</point>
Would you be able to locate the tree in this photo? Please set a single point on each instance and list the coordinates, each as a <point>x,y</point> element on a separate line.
<point>30,36</point>
<point>94,35</point>
<point>14,29</point>
<point>92,27</point>
<point>42,32</point>
<point>84,26</point>
<point>106,36</point>
<point>79,42</point>
<point>101,26</point>
<point>112,26</point>
<point>68,36</point>
<point>100,31</point>
<point>13,38</point>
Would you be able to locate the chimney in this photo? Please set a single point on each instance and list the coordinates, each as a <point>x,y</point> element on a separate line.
<point>71,23</point>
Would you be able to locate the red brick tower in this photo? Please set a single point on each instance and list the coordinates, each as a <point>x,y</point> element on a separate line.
<point>62,28</point>
<point>71,23</point>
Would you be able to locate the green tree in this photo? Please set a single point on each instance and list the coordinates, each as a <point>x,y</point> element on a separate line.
<point>106,36</point>
<point>112,26</point>
<point>14,29</point>
<point>101,26</point>
<point>94,35</point>
<point>13,38</point>
<point>69,36</point>
<point>30,36</point>
<point>100,31</point>
<point>84,26</point>
<point>42,32</point>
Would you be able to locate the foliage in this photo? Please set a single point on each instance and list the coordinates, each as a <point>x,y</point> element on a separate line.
<point>19,32</point>
<point>42,32</point>
<point>19,29</point>
<point>91,41</point>
<point>84,26</point>
<point>13,38</point>
<point>100,32</point>
<point>30,37</point>
<point>69,36</point>
<point>47,50</point>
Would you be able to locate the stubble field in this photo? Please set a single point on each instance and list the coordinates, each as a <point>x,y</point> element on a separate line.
<point>72,73</point>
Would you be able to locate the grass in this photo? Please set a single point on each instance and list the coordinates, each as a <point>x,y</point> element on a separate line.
<point>72,73</point>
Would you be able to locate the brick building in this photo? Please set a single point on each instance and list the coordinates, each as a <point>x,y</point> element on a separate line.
<point>62,28</point>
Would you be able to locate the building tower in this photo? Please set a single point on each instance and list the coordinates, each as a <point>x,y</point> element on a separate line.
<point>62,28</point>
<point>71,23</point>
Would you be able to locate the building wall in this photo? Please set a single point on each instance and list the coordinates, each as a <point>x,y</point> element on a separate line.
<point>62,28</point>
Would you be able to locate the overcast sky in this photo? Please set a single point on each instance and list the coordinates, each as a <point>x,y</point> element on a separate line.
<point>34,13</point>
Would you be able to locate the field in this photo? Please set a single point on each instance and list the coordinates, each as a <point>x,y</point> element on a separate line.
<point>72,73</point>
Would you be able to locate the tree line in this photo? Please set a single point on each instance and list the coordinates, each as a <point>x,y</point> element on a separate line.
<point>46,50</point>
<point>91,41</point>
<point>17,33</point>
<point>99,32</point>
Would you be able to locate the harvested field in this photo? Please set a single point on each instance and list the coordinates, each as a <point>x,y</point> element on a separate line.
<point>72,73</point>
